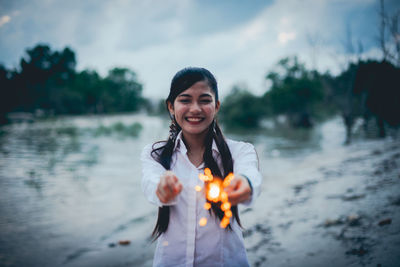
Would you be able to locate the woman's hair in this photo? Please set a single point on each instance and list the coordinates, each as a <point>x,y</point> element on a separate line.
<point>183,80</point>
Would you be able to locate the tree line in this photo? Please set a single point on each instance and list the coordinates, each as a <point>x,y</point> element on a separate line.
<point>367,89</point>
<point>47,81</point>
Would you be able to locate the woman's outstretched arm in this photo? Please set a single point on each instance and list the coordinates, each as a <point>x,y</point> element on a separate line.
<point>246,185</point>
<point>154,179</point>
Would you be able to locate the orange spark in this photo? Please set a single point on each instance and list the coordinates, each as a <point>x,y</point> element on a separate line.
<point>203,221</point>
<point>224,196</point>
<point>207,206</point>
<point>205,178</point>
<point>228,179</point>
<point>228,213</point>
<point>208,173</point>
<point>224,222</point>
<point>225,206</point>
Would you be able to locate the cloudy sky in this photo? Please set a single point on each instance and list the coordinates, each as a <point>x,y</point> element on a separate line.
<point>239,41</point>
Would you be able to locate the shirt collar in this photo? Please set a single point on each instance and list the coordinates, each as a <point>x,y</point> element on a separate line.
<point>180,145</point>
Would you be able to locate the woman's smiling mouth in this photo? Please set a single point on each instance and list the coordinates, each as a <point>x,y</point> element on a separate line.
<point>194,119</point>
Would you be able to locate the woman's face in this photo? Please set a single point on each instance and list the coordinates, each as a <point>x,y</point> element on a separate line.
<point>195,108</point>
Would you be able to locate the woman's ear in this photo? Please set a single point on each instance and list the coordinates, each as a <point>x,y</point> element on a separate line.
<point>170,108</point>
<point>217,105</point>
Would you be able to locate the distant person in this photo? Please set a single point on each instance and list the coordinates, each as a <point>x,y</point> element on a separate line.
<point>171,172</point>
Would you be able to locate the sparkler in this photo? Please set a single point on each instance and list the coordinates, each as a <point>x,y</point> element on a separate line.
<point>214,191</point>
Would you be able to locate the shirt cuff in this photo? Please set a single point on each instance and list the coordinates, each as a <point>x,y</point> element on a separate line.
<point>249,201</point>
<point>170,203</point>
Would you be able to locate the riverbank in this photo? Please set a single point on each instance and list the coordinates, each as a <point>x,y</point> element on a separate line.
<point>338,208</point>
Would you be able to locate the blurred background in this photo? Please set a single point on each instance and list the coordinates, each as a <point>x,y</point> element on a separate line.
<point>314,85</point>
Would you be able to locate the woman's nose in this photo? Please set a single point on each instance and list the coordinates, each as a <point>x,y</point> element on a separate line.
<point>195,107</point>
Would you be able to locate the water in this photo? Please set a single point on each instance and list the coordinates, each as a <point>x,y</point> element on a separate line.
<point>70,187</point>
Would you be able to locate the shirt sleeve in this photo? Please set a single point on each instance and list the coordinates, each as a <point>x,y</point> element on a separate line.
<point>245,162</point>
<point>151,174</point>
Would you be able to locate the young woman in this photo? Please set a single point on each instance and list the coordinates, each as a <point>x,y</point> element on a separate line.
<point>171,172</point>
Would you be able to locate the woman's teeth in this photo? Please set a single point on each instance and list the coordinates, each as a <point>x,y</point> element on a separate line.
<point>194,119</point>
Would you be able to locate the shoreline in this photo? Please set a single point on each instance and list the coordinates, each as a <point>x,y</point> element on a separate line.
<point>346,214</point>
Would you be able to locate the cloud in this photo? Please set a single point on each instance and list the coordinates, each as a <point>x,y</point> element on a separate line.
<point>4,19</point>
<point>284,37</point>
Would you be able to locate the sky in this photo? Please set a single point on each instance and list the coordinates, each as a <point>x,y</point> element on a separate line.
<point>238,41</point>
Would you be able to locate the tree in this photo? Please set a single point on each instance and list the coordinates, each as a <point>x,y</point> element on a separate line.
<point>389,32</point>
<point>7,94</point>
<point>342,97</point>
<point>241,109</point>
<point>85,93</point>
<point>44,78</point>
<point>295,92</point>
<point>122,90</point>
<point>378,83</point>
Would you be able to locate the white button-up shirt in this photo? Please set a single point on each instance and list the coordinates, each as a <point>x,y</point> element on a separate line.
<point>186,243</point>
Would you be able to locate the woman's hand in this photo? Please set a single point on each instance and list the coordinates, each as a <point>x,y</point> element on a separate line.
<point>239,190</point>
<point>168,187</point>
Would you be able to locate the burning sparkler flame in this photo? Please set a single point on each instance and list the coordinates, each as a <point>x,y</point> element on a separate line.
<point>214,190</point>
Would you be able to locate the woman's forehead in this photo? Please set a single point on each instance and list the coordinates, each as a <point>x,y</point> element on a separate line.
<point>198,89</point>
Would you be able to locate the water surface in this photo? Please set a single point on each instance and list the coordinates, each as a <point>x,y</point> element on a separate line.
<point>70,187</point>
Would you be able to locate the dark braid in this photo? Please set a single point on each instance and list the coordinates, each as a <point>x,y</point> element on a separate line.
<point>163,155</point>
<point>215,134</point>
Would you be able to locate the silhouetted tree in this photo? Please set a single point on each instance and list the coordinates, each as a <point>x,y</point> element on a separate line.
<point>241,109</point>
<point>389,32</point>
<point>7,94</point>
<point>342,96</point>
<point>44,78</point>
<point>47,80</point>
<point>378,83</point>
<point>123,91</point>
<point>86,92</point>
<point>295,92</point>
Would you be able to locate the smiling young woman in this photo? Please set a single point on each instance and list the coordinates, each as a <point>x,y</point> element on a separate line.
<point>170,176</point>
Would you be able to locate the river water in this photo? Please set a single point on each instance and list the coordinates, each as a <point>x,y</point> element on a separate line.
<point>70,187</point>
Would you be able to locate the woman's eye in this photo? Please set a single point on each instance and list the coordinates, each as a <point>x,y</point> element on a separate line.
<point>205,101</point>
<point>184,100</point>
